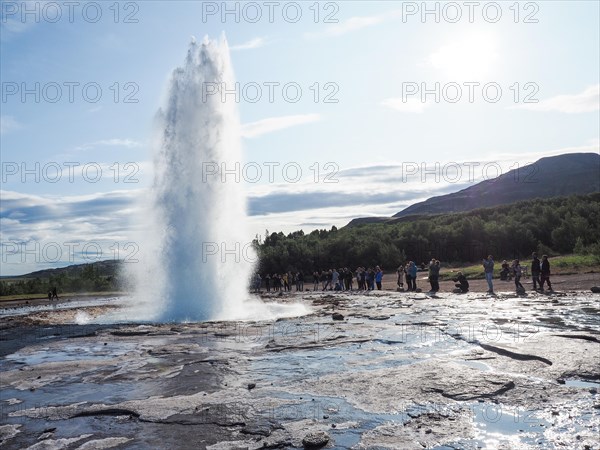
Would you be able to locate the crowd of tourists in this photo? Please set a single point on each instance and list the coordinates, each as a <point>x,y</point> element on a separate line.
<point>343,279</point>
<point>371,278</point>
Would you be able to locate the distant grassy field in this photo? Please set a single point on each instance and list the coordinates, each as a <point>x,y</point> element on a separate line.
<point>559,265</point>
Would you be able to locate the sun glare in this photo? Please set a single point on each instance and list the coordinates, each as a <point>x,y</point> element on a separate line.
<point>472,57</point>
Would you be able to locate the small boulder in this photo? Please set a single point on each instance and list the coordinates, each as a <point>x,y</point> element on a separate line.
<point>337,316</point>
<point>596,289</point>
<point>316,439</point>
<point>251,386</point>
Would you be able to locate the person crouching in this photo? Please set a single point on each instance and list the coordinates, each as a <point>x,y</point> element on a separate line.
<point>461,283</point>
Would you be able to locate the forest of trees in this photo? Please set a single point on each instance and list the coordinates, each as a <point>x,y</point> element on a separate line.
<point>94,277</point>
<point>552,226</point>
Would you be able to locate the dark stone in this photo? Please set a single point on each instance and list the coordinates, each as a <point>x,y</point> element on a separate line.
<point>596,289</point>
<point>337,316</point>
<point>262,427</point>
<point>251,386</point>
<point>317,439</point>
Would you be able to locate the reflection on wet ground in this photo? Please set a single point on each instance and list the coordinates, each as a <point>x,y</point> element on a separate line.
<point>386,370</point>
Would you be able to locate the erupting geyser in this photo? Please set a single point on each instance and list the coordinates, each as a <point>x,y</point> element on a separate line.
<point>182,274</point>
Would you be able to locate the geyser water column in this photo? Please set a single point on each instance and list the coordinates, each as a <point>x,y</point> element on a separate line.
<point>195,264</point>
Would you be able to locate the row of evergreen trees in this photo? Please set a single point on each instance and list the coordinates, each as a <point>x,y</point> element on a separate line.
<point>550,226</point>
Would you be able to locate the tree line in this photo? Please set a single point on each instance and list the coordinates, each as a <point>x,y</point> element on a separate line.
<point>553,226</point>
<point>93,277</point>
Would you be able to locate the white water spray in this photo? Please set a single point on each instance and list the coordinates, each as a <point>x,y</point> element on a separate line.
<point>184,273</point>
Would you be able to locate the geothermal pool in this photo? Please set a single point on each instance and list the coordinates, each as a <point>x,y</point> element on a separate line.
<point>398,370</point>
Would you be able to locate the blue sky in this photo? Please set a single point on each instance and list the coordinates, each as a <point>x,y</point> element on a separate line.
<point>363,56</point>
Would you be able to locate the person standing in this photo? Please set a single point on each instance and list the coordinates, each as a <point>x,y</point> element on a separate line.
<point>299,281</point>
<point>434,275</point>
<point>412,272</point>
<point>328,277</point>
<point>545,271</point>
<point>535,272</point>
<point>518,271</point>
<point>349,282</point>
<point>505,272</point>
<point>286,285</point>
<point>488,267</point>
<point>335,277</point>
<point>347,279</point>
<point>370,279</point>
<point>378,277</point>
<point>430,275</point>
<point>400,273</point>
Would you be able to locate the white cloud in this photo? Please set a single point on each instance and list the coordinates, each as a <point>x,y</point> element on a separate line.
<point>260,127</point>
<point>586,101</point>
<point>12,20</point>
<point>50,231</point>
<point>115,142</point>
<point>411,105</point>
<point>251,44</point>
<point>8,124</point>
<point>352,24</point>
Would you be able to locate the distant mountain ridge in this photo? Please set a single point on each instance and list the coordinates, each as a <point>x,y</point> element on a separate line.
<point>553,176</point>
<point>102,268</point>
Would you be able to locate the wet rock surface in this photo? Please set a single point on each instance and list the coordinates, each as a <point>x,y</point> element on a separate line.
<point>384,370</point>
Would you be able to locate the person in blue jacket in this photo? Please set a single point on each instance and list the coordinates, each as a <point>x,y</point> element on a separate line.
<point>488,267</point>
<point>378,277</point>
<point>411,274</point>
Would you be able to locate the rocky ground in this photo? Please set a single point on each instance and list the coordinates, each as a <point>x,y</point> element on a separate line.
<point>389,370</point>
